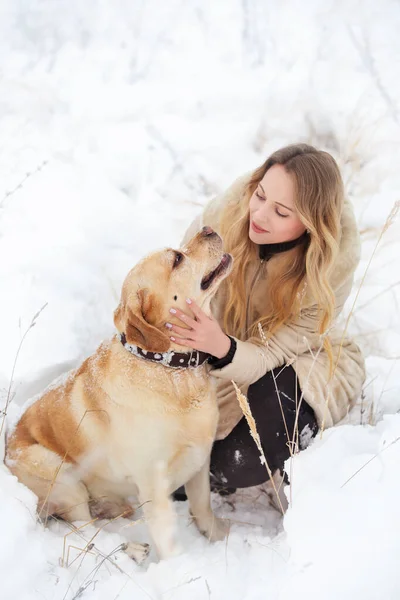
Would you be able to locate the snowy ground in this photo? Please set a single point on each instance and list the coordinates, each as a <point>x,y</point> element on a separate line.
<point>120,119</point>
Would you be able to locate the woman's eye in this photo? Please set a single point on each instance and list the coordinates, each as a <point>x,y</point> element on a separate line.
<point>280,214</point>
<point>259,196</point>
<point>178,259</point>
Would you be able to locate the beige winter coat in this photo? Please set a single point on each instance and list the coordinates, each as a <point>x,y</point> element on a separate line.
<point>297,343</point>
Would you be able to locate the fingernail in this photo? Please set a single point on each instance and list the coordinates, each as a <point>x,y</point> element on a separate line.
<point>168,325</point>
<point>188,300</point>
<point>172,338</point>
<point>172,310</point>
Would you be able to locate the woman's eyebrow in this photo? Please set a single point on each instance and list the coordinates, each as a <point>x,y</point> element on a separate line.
<point>284,206</point>
<point>280,203</point>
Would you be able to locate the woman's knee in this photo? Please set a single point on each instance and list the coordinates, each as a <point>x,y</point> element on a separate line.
<point>280,381</point>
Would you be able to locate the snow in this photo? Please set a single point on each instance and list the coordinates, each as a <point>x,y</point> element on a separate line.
<point>238,457</point>
<point>118,121</point>
<point>306,435</point>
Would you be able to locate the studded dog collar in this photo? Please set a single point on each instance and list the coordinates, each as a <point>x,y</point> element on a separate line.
<point>176,360</point>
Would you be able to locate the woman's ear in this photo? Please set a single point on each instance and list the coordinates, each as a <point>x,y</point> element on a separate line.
<point>131,320</point>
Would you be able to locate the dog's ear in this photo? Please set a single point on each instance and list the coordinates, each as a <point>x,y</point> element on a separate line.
<point>132,320</point>
<point>144,335</point>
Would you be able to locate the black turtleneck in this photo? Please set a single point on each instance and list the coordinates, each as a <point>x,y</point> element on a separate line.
<point>268,250</point>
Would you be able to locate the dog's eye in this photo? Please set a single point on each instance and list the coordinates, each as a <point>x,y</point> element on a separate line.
<point>178,259</point>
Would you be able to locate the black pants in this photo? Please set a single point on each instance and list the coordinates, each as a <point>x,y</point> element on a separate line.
<point>235,460</point>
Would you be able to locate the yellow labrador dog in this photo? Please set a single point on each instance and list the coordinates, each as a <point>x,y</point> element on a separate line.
<point>139,416</point>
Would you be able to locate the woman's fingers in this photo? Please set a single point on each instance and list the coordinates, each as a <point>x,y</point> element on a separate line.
<point>183,317</point>
<point>182,342</point>
<point>184,333</point>
<point>196,310</point>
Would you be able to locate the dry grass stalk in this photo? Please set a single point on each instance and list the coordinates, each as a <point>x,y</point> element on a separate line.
<point>293,442</point>
<point>121,590</point>
<point>90,578</point>
<point>244,405</point>
<point>388,374</point>
<point>389,221</point>
<point>371,414</point>
<point>9,396</point>
<point>381,293</point>
<point>74,530</point>
<point>283,414</point>
<point>369,461</point>
<point>85,550</point>
<point>89,545</point>
<point>21,183</point>
<point>264,339</point>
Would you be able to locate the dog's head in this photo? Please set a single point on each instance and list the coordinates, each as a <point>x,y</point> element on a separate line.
<point>165,279</point>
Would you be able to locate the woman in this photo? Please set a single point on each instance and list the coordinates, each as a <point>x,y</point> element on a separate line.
<point>295,246</point>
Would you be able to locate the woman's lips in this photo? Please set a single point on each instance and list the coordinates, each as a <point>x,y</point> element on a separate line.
<point>258,229</point>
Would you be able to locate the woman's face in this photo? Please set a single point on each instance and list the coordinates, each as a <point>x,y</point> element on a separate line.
<point>273,217</point>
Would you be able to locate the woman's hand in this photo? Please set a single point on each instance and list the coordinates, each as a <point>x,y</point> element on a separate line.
<point>201,333</point>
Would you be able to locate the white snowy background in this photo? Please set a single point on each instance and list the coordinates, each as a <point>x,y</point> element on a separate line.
<point>119,119</point>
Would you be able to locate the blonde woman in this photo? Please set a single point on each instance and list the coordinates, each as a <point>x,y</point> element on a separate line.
<point>295,245</point>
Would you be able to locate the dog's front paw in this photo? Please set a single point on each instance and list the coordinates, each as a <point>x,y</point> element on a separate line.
<point>138,552</point>
<point>213,528</point>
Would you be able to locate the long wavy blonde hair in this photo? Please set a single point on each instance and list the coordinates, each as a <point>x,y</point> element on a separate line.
<point>318,201</point>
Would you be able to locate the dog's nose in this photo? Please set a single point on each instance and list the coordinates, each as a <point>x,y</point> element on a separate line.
<point>206,231</point>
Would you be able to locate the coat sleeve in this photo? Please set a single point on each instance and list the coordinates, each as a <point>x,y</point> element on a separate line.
<point>251,360</point>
